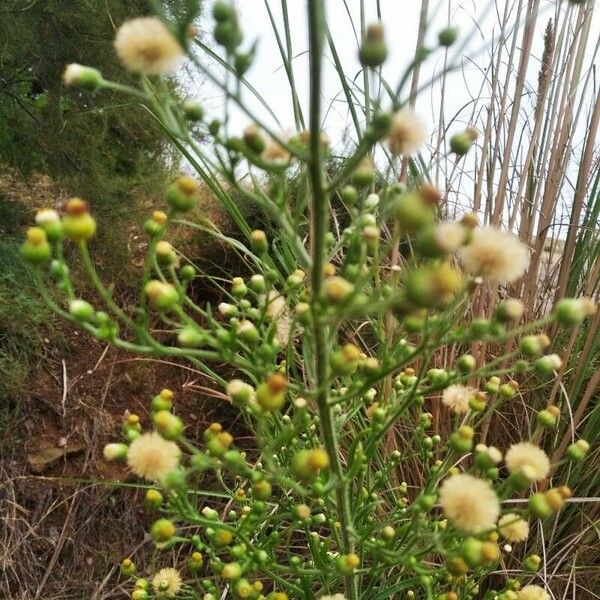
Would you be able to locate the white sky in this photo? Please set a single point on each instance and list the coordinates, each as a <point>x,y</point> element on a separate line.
<point>478,22</point>
<point>476,19</point>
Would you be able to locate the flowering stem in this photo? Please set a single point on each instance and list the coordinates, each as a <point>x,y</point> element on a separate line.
<point>320,215</point>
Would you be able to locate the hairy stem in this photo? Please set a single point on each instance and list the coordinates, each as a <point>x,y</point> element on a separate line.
<point>320,216</point>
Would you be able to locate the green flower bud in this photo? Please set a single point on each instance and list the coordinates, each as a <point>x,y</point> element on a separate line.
<point>49,221</point>
<point>466,363</point>
<point>243,61</point>
<point>239,392</point>
<point>254,139</point>
<point>195,562</point>
<point>461,441</point>
<point>168,425</point>
<point>244,589</point>
<point>364,174</point>
<point>548,417</point>
<point>426,501</point>
<point>36,249</point>
<point>228,310</point>
<point>155,226</point>
<point>373,50</point>
<point>345,361</point>
<point>347,563</point>
<point>165,254</point>
<point>538,506</point>
<point>162,530</point>
<point>82,77</point>
<point>510,309</point>
<point>433,286</point>
<point>187,273</point>
<point>262,490</point>
<point>349,195</point>
<point>270,395</point>
<point>238,287</point>
<point>447,36</point>
<point>531,345</point>
<point>174,480</point>
<point>470,550</point>
<point>259,242</point>
<point>219,444</point>
<point>192,110</point>
<point>231,571</point>
<point>296,279</point>
<point>81,310</point>
<point>307,464</point>
<point>493,473</point>
<point>548,364</point>
<point>190,337</point>
<point>258,284</point>
<point>223,537</point>
<point>437,376</point>
<point>381,123</point>
<point>132,434</point>
<point>153,499</point>
<point>508,390</point>
<point>78,224</point>
<point>161,295</point>
<point>182,194</point>
<point>532,562</point>
<point>521,366</point>
<point>163,400</point>
<point>115,451</point>
<point>338,289</point>
<point>578,450</point>
<point>457,566</point>
<point>460,143</point>
<point>236,145</point>
<point>413,212</point>
<point>139,594</point>
<point>487,457</point>
<point>58,269</point>
<point>228,34</point>
<point>480,328</point>
<point>132,423</point>
<point>247,332</point>
<point>492,386</point>
<point>569,312</point>
<point>223,11</point>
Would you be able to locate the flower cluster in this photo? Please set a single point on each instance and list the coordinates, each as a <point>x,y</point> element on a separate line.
<point>329,347</point>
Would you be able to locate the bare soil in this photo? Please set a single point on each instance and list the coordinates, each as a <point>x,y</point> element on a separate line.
<point>67,516</point>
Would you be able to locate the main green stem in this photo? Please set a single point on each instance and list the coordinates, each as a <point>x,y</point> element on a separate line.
<point>319,222</point>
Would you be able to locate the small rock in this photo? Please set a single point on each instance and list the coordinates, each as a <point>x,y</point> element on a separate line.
<point>47,454</point>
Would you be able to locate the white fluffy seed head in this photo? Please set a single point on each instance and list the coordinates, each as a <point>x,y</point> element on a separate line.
<point>513,528</point>
<point>469,503</point>
<point>145,45</point>
<point>407,133</point>
<point>532,592</point>
<point>450,236</point>
<point>495,255</point>
<point>151,456</point>
<point>167,582</point>
<point>456,398</point>
<point>526,458</point>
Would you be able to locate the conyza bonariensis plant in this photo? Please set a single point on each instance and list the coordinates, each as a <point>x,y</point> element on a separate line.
<point>333,340</point>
